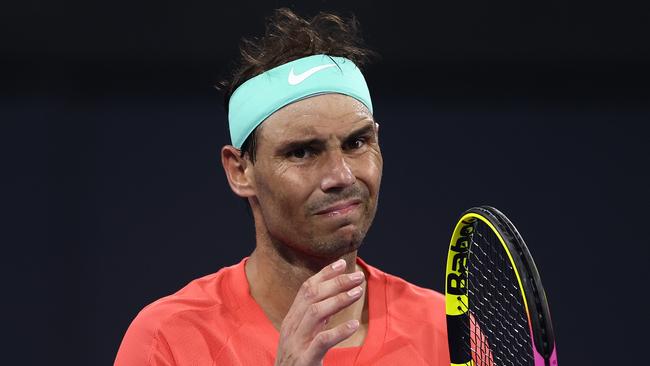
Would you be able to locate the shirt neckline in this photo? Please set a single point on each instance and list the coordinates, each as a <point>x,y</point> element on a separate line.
<point>252,315</point>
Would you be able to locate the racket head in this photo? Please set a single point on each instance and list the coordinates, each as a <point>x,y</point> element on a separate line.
<point>497,310</point>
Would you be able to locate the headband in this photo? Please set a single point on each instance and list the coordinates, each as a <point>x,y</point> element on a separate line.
<point>259,97</point>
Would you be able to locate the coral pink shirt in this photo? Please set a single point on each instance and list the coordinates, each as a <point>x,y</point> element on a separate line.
<point>215,321</point>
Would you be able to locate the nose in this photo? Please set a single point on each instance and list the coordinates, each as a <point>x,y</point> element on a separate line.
<point>337,172</point>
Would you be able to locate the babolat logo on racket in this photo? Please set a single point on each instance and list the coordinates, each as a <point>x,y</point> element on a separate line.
<point>457,275</point>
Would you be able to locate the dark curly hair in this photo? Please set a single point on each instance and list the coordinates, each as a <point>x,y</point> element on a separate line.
<point>289,37</point>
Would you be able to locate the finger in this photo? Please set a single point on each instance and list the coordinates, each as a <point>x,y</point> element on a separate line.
<point>327,273</point>
<point>318,312</point>
<point>336,285</point>
<point>328,339</point>
<point>309,290</point>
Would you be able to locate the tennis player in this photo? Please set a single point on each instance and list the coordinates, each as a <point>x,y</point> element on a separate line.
<point>305,155</point>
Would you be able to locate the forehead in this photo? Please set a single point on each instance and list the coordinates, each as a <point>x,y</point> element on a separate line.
<point>318,116</point>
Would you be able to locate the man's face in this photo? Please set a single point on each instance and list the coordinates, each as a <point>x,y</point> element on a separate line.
<point>317,174</point>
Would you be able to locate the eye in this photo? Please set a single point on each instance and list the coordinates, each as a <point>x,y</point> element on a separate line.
<point>356,143</point>
<point>300,153</point>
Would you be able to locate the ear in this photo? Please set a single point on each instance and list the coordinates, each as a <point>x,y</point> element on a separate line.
<point>235,167</point>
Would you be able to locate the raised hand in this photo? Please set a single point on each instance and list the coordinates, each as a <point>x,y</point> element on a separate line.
<point>304,339</point>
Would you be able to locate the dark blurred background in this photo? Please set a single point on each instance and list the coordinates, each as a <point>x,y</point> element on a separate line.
<point>113,193</point>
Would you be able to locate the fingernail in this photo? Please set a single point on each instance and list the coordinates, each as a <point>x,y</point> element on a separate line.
<point>354,292</point>
<point>356,276</point>
<point>353,324</point>
<point>338,264</point>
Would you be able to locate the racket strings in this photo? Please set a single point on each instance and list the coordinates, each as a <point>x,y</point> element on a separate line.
<point>498,324</point>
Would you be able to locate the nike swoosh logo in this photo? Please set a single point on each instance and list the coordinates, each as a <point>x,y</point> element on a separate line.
<point>297,79</point>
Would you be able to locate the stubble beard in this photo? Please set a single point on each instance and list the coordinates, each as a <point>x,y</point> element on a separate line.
<point>338,245</point>
<point>343,240</point>
<point>321,243</point>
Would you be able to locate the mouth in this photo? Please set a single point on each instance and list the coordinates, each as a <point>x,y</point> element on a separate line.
<point>340,208</point>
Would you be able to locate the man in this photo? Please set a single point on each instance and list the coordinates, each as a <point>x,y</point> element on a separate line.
<point>305,155</point>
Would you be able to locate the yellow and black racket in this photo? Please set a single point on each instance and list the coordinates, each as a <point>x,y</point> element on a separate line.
<point>497,312</point>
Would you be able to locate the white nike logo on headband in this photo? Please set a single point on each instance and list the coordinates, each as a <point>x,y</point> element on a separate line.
<point>297,79</point>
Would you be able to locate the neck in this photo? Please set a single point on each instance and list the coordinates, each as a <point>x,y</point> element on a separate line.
<point>275,273</point>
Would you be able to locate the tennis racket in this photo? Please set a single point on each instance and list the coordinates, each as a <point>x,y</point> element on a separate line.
<point>497,312</point>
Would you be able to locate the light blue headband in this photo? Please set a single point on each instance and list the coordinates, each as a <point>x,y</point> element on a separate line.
<point>257,98</point>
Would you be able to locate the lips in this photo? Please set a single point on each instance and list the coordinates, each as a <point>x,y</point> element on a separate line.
<point>340,208</point>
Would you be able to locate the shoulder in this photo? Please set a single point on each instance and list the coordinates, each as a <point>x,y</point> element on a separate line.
<point>205,295</point>
<point>413,301</point>
<point>409,304</point>
<point>415,318</point>
<point>402,294</point>
<point>181,316</point>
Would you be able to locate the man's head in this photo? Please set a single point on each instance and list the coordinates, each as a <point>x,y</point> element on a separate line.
<point>289,37</point>
<point>311,170</point>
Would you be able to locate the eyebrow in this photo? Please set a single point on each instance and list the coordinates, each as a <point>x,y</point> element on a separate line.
<point>363,131</point>
<point>320,143</point>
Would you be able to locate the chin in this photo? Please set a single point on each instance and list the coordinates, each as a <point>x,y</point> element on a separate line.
<point>344,241</point>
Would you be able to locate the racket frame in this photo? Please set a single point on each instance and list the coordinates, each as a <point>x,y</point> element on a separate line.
<point>533,294</point>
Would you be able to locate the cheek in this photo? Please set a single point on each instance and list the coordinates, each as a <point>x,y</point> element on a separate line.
<point>283,193</point>
<point>369,170</point>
